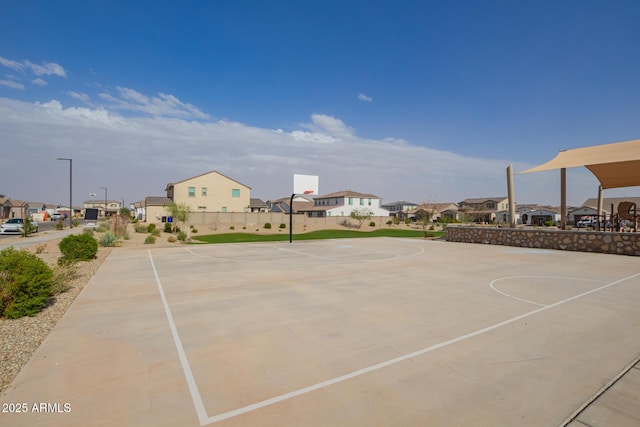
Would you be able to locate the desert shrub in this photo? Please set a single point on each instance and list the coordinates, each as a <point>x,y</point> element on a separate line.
<point>59,225</point>
<point>102,228</point>
<point>140,229</point>
<point>149,240</point>
<point>389,222</point>
<point>155,232</point>
<point>40,248</point>
<point>167,227</point>
<point>108,239</point>
<point>171,239</point>
<point>194,230</point>
<point>25,283</point>
<point>77,247</point>
<point>182,236</point>
<point>151,227</point>
<point>88,231</point>
<point>267,225</point>
<point>126,236</point>
<point>283,225</point>
<point>63,275</point>
<point>407,221</point>
<point>432,228</point>
<point>233,228</point>
<point>372,224</point>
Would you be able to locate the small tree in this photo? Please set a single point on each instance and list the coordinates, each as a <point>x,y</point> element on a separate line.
<point>27,227</point>
<point>179,212</point>
<point>423,219</point>
<point>361,215</point>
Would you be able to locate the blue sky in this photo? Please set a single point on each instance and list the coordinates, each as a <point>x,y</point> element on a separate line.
<point>415,100</point>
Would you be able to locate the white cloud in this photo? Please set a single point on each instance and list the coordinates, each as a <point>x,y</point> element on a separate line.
<point>46,69</point>
<point>14,65</point>
<point>325,129</point>
<point>38,82</point>
<point>12,84</point>
<point>162,105</point>
<point>79,96</point>
<point>136,156</point>
<point>364,98</point>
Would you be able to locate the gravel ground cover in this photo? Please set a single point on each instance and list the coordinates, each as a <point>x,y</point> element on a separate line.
<point>19,338</point>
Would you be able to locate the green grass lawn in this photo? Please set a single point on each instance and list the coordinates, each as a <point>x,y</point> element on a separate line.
<point>314,235</point>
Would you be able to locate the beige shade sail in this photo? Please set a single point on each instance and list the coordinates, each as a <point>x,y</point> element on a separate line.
<point>614,165</point>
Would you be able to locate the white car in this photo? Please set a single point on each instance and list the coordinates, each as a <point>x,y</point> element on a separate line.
<point>16,225</point>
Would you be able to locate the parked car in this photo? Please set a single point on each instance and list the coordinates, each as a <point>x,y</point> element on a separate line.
<point>16,225</point>
<point>56,217</point>
<point>587,222</point>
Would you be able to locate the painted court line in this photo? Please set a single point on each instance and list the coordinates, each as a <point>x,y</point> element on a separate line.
<point>205,419</point>
<point>493,282</point>
<point>191,382</point>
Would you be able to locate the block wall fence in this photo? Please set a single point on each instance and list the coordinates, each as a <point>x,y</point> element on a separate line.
<point>224,220</point>
<point>567,240</point>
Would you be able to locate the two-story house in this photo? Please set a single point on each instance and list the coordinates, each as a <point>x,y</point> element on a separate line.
<point>211,192</point>
<point>105,207</point>
<point>398,208</point>
<point>342,203</point>
<point>483,209</point>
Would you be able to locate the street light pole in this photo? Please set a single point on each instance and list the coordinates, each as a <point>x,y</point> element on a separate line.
<point>70,190</point>
<point>105,201</point>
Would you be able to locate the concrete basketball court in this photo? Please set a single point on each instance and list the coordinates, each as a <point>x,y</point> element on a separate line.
<point>360,332</point>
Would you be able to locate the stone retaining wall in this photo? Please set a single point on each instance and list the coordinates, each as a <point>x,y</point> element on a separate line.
<point>568,240</point>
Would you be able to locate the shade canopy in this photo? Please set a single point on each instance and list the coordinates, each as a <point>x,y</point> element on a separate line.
<point>614,165</point>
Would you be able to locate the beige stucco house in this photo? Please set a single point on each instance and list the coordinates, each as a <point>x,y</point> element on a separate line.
<point>211,192</point>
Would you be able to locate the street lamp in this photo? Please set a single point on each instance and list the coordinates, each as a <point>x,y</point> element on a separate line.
<point>92,195</point>
<point>70,189</point>
<point>105,201</point>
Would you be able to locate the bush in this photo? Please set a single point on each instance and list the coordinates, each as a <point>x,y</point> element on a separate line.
<point>283,225</point>
<point>59,225</point>
<point>150,240</point>
<point>194,230</point>
<point>267,225</point>
<point>389,222</point>
<point>78,247</point>
<point>140,229</point>
<point>372,224</point>
<point>232,228</point>
<point>171,239</point>
<point>151,227</point>
<point>62,276</point>
<point>102,228</point>
<point>126,236</point>
<point>108,239</point>
<point>167,227</point>
<point>155,232</point>
<point>25,283</point>
<point>182,236</point>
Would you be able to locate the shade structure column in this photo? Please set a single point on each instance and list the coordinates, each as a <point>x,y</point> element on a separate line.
<point>563,198</point>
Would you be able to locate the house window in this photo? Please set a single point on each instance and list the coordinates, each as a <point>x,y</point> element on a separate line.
<point>350,200</point>
<point>369,202</point>
<point>224,209</point>
<point>361,202</point>
<point>491,205</point>
<point>192,191</point>
<point>204,191</point>
<point>235,192</point>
